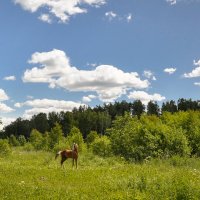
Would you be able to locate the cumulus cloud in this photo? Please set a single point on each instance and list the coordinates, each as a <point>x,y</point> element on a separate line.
<point>148,74</point>
<point>46,106</point>
<point>61,9</point>
<point>5,109</point>
<point>170,70</point>
<point>3,95</point>
<point>6,121</point>
<point>145,97</point>
<point>195,72</point>
<point>107,81</point>
<point>9,78</point>
<point>88,98</point>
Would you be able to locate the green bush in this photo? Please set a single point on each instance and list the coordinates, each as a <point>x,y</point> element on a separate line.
<point>28,147</point>
<point>13,141</point>
<point>101,146</point>
<point>22,140</point>
<point>36,139</point>
<point>146,138</point>
<point>75,136</point>
<point>91,137</point>
<point>62,145</point>
<point>55,136</point>
<point>4,148</point>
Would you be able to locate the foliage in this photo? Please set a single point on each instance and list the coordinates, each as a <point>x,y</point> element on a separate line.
<point>138,108</point>
<point>101,146</point>
<point>148,137</point>
<point>169,106</point>
<point>55,136</point>
<point>22,140</point>
<point>91,137</point>
<point>189,122</point>
<point>28,147</point>
<point>97,119</point>
<point>75,136</point>
<point>153,108</point>
<point>62,145</point>
<point>36,139</point>
<point>4,148</point>
<point>13,141</point>
<point>40,122</point>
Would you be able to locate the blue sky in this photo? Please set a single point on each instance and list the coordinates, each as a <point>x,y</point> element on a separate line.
<point>58,54</point>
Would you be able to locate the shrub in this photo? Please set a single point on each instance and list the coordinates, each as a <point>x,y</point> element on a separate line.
<point>4,148</point>
<point>101,146</point>
<point>22,140</point>
<point>148,137</point>
<point>55,135</point>
<point>36,139</point>
<point>91,137</point>
<point>28,147</point>
<point>63,144</point>
<point>13,141</point>
<point>75,136</point>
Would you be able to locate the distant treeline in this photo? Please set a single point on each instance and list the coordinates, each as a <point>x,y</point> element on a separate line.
<point>98,119</point>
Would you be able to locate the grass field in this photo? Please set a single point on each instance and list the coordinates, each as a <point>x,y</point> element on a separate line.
<point>36,175</point>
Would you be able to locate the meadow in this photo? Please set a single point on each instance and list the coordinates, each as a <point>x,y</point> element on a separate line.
<point>37,175</point>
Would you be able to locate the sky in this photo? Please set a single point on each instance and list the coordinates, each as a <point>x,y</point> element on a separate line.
<point>59,54</point>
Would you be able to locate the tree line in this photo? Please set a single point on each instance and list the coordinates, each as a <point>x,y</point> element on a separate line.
<point>129,130</point>
<point>97,119</point>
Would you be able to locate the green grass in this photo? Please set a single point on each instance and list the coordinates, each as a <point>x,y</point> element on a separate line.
<point>36,175</point>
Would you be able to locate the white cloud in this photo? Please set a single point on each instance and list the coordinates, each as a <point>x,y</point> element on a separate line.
<point>10,78</point>
<point>45,18</point>
<point>6,121</point>
<point>61,9</point>
<point>111,15</point>
<point>5,109</point>
<point>88,98</point>
<point>46,106</point>
<point>195,72</point>
<point>145,97</point>
<point>129,17</point>
<point>148,74</point>
<point>107,81</point>
<point>3,95</point>
<point>171,2</point>
<point>170,70</point>
<point>197,83</point>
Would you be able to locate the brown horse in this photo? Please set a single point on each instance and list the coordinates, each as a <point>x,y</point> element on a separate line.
<point>69,154</point>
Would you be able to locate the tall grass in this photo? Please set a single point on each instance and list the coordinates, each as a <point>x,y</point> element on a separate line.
<point>36,175</point>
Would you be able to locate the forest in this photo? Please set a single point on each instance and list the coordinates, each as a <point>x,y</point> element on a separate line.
<point>130,130</point>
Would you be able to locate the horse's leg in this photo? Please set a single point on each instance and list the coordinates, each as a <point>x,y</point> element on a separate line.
<point>76,163</point>
<point>72,162</point>
<point>63,160</point>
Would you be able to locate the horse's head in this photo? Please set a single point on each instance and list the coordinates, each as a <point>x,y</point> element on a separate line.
<point>75,147</point>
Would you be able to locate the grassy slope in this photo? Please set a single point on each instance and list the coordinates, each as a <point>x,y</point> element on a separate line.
<point>36,175</point>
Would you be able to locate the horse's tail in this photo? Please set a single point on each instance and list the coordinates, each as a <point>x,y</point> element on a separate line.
<point>58,154</point>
